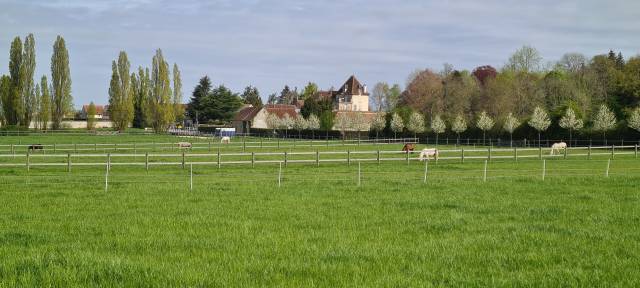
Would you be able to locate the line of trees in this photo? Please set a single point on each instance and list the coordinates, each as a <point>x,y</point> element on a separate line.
<point>604,120</point>
<point>23,100</point>
<point>145,98</point>
<point>575,94</point>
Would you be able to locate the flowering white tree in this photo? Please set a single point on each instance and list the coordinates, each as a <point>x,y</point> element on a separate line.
<point>570,122</point>
<point>397,125</point>
<point>539,121</point>
<point>511,123</point>
<point>634,120</point>
<point>438,126</point>
<point>378,123</point>
<point>286,123</point>
<point>604,121</point>
<point>459,125</point>
<point>273,122</point>
<point>359,123</point>
<point>343,123</point>
<point>313,124</point>
<point>485,123</point>
<point>299,123</point>
<point>416,123</point>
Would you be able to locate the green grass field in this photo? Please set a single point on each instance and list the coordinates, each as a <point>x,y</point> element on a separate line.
<point>239,228</point>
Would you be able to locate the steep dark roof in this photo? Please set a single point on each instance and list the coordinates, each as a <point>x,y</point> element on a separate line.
<point>246,113</point>
<point>352,87</point>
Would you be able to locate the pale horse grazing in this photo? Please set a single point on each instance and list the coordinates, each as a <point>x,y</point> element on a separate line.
<point>557,146</point>
<point>426,153</point>
<point>185,145</point>
<point>225,140</point>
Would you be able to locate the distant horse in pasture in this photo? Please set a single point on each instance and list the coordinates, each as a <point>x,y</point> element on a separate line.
<point>556,147</point>
<point>409,147</point>
<point>426,153</point>
<point>225,140</point>
<point>184,145</point>
<point>34,147</point>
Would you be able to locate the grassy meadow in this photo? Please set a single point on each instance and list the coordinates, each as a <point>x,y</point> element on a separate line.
<point>330,225</point>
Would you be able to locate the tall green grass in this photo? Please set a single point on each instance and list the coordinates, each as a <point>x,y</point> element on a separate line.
<point>238,228</point>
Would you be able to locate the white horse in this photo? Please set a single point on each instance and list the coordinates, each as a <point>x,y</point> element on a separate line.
<point>185,145</point>
<point>225,140</point>
<point>557,146</point>
<point>426,153</point>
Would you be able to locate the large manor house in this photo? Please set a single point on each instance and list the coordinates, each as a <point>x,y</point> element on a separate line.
<point>351,98</point>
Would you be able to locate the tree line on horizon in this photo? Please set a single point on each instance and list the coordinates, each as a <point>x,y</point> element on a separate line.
<point>575,94</point>
<point>591,96</point>
<point>24,100</point>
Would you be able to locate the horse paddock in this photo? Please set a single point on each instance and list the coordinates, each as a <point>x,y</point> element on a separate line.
<point>485,218</point>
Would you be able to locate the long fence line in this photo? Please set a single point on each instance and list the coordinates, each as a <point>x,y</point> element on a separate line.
<point>197,145</point>
<point>253,158</point>
<point>353,177</point>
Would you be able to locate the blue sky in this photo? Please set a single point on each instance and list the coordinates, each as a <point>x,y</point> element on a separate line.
<point>272,43</point>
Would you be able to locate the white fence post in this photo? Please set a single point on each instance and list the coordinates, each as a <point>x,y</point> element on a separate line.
<point>106,179</point>
<point>280,175</point>
<point>191,177</point>
<point>608,164</point>
<point>426,170</point>
<point>544,168</point>
<point>484,177</point>
<point>359,174</point>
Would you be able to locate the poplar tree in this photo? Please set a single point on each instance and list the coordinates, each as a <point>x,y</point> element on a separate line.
<point>121,100</point>
<point>539,121</point>
<point>5,99</point>
<point>44,111</point>
<point>14,103</point>
<point>27,69</point>
<point>140,85</point>
<point>91,116</point>
<point>177,94</point>
<point>160,102</point>
<point>61,82</point>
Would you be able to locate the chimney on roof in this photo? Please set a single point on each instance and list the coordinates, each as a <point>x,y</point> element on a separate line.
<point>364,88</point>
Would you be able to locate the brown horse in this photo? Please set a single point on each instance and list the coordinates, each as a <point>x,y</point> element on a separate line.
<point>409,147</point>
